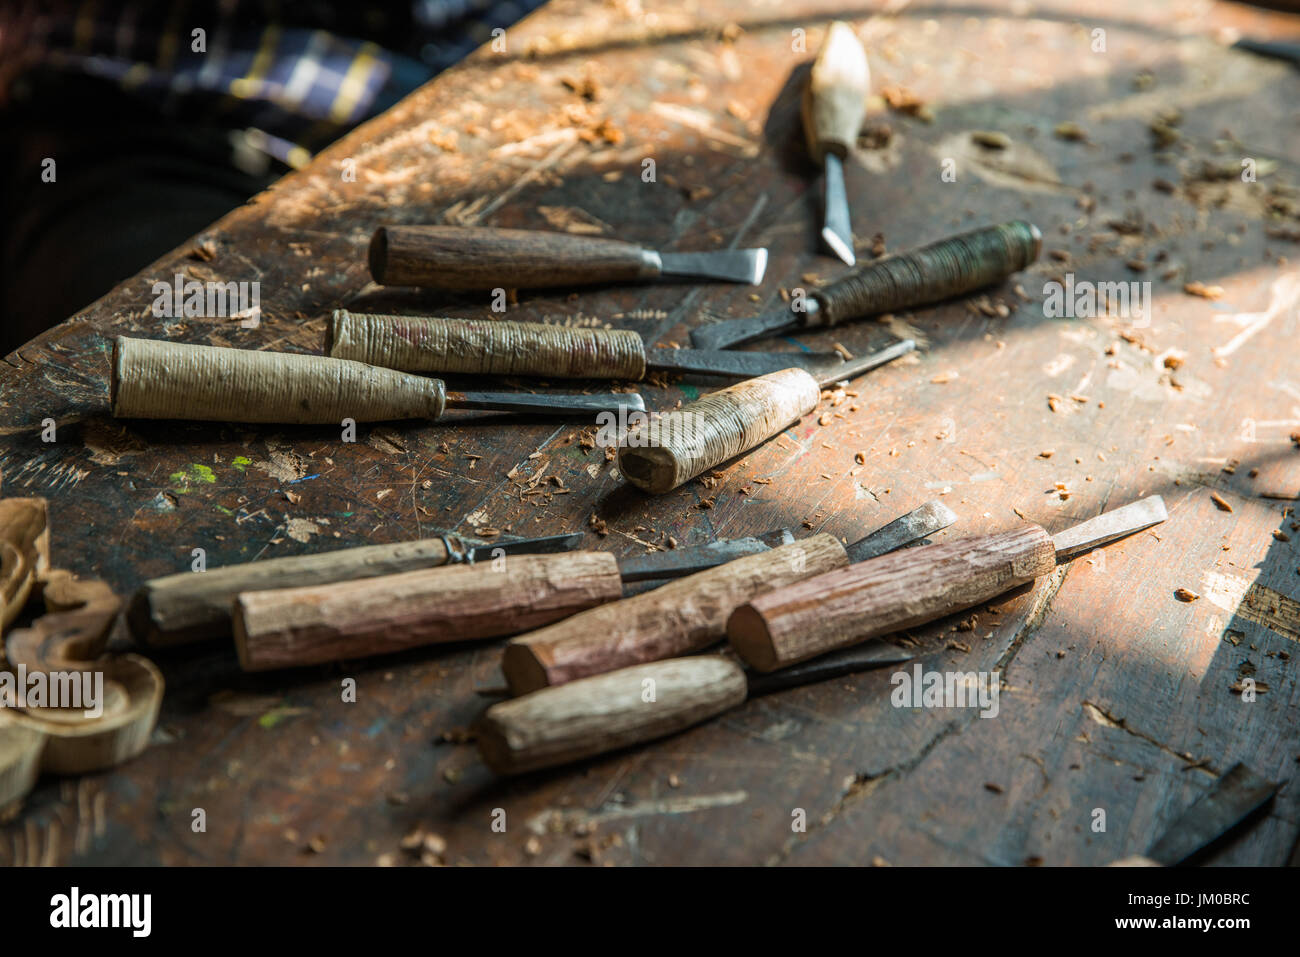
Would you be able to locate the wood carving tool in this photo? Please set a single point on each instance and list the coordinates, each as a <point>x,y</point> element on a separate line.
<point>927,275</point>
<point>316,623</point>
<point>673,447</point>
<point>894,592</point>
<point>834,105</point>
<point>502,347</point>
<point>461,257</point>
<point>194,606</point>
<point>1237,795</point>
<point>153,379</point>
<point>595,715</point>
<point>690,614</point>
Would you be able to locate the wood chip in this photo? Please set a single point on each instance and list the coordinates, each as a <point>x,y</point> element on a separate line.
<point>1220,501</point>
<point>1185,594</point>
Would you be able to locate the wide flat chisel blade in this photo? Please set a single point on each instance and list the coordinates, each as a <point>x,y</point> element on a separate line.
<point>870,654</point>
<point>917,524</point>
<point>1109,526</point>
<point>734,265</point>
<point>525,546</point>
<point>696,558</point>
<point>1234,797</point>
<point>542,404</point>
<point>745,365</point>
<point>836,232</point>
<point>732,332</point>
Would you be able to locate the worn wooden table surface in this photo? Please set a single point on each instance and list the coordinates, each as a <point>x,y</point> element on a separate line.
<point>1116,695</point>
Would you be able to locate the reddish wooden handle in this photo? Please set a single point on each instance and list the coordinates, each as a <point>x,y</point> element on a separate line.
<point>885,594</point>
<point>679,618</point>
<point>458,257</point>
<point>287,627</point>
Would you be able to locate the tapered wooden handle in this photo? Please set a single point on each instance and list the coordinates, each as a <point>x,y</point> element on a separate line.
<point>460,257</point>
<point>835,99</point>
<point>676,446</point>
<point>154,379</point>
<point>194,606</point>
<point>676,619</point>
<point>885,594</point>
<point>557,725</point>
<point>485,347</point>
<point>302,626</point>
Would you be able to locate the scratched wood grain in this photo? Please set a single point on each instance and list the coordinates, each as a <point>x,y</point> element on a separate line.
<point>1115,695</point>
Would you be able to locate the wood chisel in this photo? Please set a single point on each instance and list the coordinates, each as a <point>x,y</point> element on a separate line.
<point>690,614</point>
<point>319,621</point>
<point>501,347</point>
<point>834,105</point>
<point>154,379</point>
<point>595,715</point>
<point>1236,796</point>
<point>460,257</point>
<point>894,592</point>
<point>194,606</point>
<point>927,275</point>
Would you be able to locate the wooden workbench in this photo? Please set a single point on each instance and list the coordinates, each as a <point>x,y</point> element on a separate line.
<point>1115,694</point>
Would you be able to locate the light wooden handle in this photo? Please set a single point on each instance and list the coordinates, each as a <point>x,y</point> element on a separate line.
<point>485,347</point>
<point>677,446</point>
<point>194,606</point>
<point>676,619</point>
<point>595,715</point>
<point>835,99</point>
<point>152,379</point>
<point>289,627</point>
<point>459,257</point>
<point>885,594</point>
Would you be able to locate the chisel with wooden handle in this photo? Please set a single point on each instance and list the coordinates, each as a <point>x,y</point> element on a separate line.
<point>834,104</point>
<point>154,379</point>
<point>592,716</point>
<point>476,257</point>
<point>927,275</point>
<point>316,622</point>
<point>893,592</point>
<point>690,614</point>
<point>505,348</point>
<point>194,606</point>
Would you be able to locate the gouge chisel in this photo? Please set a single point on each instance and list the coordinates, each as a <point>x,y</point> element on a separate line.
<point>689,614</point>
<point>834,104</point>
<point>501,347</point>
<point>908,588</point>
<point>154,379</point>
<point>922,276</point>
<point>606,712</point>
<point>459,257</point>
<point>195,605</point>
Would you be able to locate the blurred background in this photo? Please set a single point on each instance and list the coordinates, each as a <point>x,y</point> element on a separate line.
<point>162,116</point>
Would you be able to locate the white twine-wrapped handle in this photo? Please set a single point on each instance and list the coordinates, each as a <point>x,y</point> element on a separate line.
<point>485,347</point>
<point>679,445</point>
<point>152,379</point>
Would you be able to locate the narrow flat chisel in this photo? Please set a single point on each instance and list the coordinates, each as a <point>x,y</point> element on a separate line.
<point>460,257</point>
<point>687,615</point>
<point>922,276</point>
<point>1238,794</point>
<point>834,104</point>
<point>908,588</point>
<point>591,716</point>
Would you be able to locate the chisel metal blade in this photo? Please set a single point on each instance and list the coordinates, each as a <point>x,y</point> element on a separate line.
<point>870,654</point>
<point>1109,526</point>
<point>920,522</point>
<point>732,332</point>
<point>836,232</point>
<point>746,365</point>
<point>687,561</point>
<point>1234,797</point>
<point>547,545</point>
<point>828,375</point>
<point>542,404</point>
<point>732,265</point>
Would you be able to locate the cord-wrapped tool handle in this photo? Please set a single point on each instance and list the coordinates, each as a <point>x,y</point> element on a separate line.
<point>930,274</point>
<point>472,257</point>
<point>485,347</point>
<point>886,594</point>
<point>679,445</point>
<point>595,715</point>
<point>153,379</point>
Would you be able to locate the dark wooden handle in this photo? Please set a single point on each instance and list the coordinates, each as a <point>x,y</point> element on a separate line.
<point>302,626</point>
<point>677,619</point>
<point>595,715</point>
<point>885,594</point>
<point>459,257</point>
